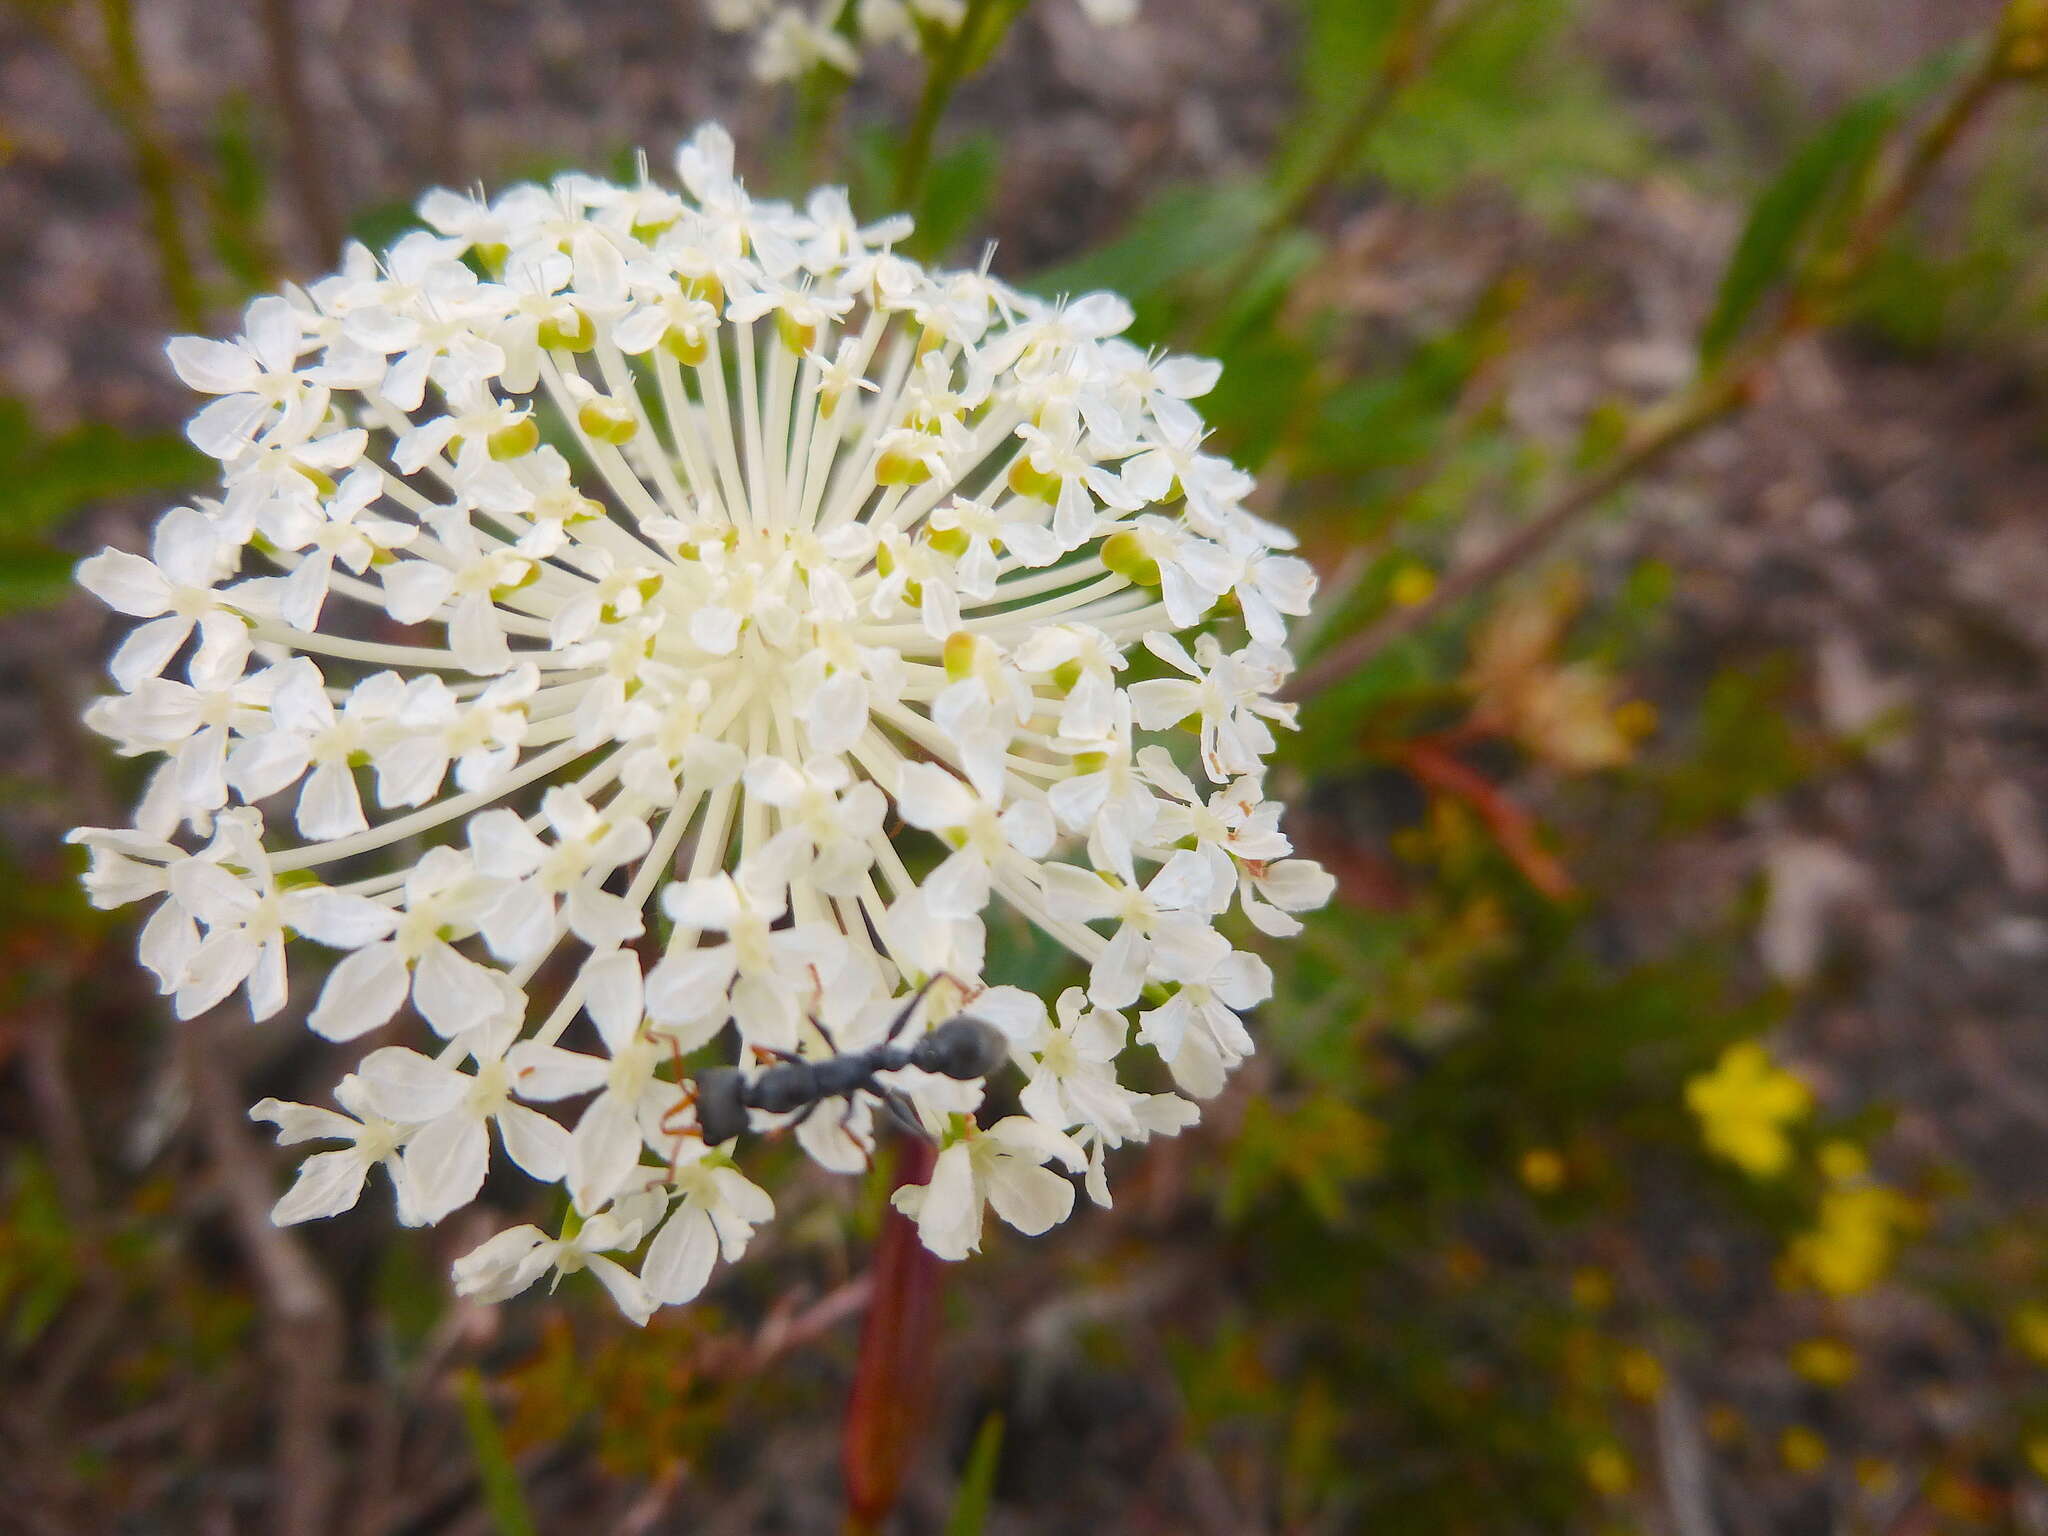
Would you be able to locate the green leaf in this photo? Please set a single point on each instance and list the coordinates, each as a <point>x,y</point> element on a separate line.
<point>994,24</point>
<point>1508,93</point>
<point>956,190</point>
<point>236,196</point>
<point>33,577</point>
<point>49,478</point>
<point>1793,205</point>
<point>978,1482</point>
<point>380,225</point>
<point>502,1493</point>
<point>1183,231</point>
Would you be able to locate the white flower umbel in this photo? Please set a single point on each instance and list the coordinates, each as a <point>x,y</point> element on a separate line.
<point>792,39</point>
<point>640,628</point>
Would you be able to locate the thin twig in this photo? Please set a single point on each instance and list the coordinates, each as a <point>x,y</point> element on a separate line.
<point>1679,422</point>
<point>1721,392</point>
<point>44,1035</point>
<point>302,1318</point>
<point>1409,47</point>
<point>124,87</point>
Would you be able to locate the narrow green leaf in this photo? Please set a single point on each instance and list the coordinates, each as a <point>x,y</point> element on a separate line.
<point>1793,204</point>
<point>1183,231</point>
<point>503,1496</point>
<point>992,25</point>
<point>956,190</point>
<point>32,576</point>
<point>236,196</point>
<point>978,1481</point>
<point>49,478</point>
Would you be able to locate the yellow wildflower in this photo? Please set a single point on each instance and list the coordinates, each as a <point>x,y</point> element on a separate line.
<point>1565,713</point>
<point>1641,1375</point>
<point>1802,1450</point>
<point>1842,1162</point>
<point>1608,1470</point>
<point>1824,1362</point>
<point>1744,1106</point>
<point>1543,1170</point>
<point>1412,584</point>
<point>1854,1239</point>
<point>1875,1475</point>
<point>2030,1331</point>
<point>1592,1290</point>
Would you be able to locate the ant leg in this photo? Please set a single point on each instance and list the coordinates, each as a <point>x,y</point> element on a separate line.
<point>866,1150</point>
<point>803,1114</point>
<point>903,1113</point>
<point>903,1018</point>
<point>825,1035</point>
<point>685,1097</point>
<point>776,1053</point>
<point>678,1134</point>
<point>683,1102</point>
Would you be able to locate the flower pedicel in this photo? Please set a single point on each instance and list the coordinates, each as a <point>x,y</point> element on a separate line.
<point>628,612</point>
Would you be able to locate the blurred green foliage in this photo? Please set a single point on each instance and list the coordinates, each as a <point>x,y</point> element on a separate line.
<point>1462,1245</point>
<point>49,478</point>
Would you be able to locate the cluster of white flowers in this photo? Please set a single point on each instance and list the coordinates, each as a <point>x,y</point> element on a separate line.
<point>601,549</point>
<point>791,40</point>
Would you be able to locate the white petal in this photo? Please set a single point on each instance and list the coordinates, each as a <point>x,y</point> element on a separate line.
<point>329,806</point>
<point>948,1209</point>
<point>625,1288</point>
<point>362,992</point>
<point>400,1084</point>
<point>445,1165</point>
<point>148,650</point>
<point>328,1184</point>
<point>338,919</point>
<point>213,367</point>
<point>453,992</point>
<point>545,1072</point>
<point>1031,1199</point>
<point>602,1152</point>
<point>126,583</point>
<point>415,589</point>
<point>533,1141</point>
<point>679,1260</point>
<point>611,996</point>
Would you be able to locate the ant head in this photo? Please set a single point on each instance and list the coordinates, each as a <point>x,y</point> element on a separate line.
<point>963,1047</point>
<point>721,1109</point>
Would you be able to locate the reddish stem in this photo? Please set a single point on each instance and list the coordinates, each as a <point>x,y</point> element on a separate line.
<point>1439,770</point>
<point>898,1344</point>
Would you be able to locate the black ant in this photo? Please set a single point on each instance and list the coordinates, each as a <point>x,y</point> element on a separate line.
<point>962,1048</point>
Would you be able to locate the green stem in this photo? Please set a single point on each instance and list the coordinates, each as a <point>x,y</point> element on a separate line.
<point>947,68</point>
<point>818,101</point>
<point>1408,48</point>
<point>127,94</point>
<point>503,1497</point>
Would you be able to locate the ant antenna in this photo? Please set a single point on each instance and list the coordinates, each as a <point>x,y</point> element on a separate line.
<point>910,1007</point>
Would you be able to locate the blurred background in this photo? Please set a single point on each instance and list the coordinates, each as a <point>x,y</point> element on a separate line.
<point>1648,1139</point>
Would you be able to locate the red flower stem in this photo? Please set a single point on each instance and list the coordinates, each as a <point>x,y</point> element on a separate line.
<point>898,1344</point>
